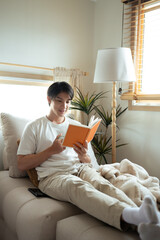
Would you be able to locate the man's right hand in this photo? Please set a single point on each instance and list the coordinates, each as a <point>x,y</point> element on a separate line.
<point>57,146</point>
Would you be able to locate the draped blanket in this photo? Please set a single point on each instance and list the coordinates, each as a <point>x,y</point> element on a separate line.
<point>132,179</point>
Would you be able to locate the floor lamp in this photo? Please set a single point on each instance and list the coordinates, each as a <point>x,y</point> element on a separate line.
<point>114,65</point>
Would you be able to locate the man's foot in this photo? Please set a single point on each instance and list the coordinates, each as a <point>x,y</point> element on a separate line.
<point>146,213</point>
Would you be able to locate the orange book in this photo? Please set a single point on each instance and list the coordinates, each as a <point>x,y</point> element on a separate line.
<point>81,133</point>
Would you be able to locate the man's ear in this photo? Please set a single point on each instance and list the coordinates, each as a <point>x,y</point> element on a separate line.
<point>49,100</point>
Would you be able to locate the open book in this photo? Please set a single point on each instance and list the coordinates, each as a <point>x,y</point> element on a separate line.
<point>80,133</point>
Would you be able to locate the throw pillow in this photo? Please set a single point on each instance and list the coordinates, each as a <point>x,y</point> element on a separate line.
<point>32,173</point>
<point>12,128</point>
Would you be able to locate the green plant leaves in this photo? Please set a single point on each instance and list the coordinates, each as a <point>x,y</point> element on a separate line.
<point>102,146</point>
<point>88,103</point>
<point>106,116</point>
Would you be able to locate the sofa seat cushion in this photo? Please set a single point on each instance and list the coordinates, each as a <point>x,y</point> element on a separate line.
<point>37,219</point>
<point>86,227</point>
<point>30,217</point>
<point>7,185</point>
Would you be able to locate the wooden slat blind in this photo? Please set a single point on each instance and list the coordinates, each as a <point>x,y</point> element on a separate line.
<point>134,26</point>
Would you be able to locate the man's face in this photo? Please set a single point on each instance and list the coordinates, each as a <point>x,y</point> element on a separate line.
<point>60,104</point>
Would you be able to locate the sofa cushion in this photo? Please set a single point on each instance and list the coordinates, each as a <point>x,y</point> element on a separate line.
<point>12,128</point>
<point>86,227</point>
<point>7,185</point>
<point>32,218</point>
<point>37,219</point>
<point>5,232</point>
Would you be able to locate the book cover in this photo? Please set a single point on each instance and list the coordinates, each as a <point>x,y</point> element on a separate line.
<point>80,133</point>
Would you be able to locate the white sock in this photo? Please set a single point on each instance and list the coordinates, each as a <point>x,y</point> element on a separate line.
<point>146,213</point>
<point>148,231</point>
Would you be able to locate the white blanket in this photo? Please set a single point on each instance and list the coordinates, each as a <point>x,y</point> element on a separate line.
<point>132,179</point>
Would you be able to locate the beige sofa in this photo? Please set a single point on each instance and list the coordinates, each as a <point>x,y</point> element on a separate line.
<point>25,217</point>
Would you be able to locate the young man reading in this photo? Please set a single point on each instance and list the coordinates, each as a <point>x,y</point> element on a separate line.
<point>67,173</point>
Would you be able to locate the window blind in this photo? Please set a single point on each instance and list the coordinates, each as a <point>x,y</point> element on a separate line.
<point>141,33</point>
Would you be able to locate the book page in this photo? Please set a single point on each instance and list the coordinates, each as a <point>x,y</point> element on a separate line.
<point>93,121</point>
<point>93,131</point>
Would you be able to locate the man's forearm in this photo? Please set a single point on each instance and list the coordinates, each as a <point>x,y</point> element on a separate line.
<point>29,161</point>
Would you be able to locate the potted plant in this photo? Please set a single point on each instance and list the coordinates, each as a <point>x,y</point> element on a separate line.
<point>102,141</point>
<point>90,104</point>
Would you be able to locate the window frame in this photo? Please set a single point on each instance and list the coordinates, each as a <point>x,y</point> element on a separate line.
<point>136,99</point>
<point>19,74</point>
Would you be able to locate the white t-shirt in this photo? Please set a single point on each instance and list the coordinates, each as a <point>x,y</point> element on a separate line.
<point>39,135</point>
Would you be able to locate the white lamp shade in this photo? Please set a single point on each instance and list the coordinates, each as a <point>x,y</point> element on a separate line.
<point>114,64</point>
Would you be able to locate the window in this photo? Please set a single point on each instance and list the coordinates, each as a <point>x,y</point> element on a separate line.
<point>141,32</point>
<point>23,90</point>
<point>23,100</point>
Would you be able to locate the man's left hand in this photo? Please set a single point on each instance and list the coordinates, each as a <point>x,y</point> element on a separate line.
<point>81,150</point>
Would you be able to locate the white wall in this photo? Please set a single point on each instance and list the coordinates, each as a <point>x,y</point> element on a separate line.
<point>47,33</point>
<point>140,129</point>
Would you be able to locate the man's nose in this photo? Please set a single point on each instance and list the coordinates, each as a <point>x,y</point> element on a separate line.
<point>64,104</point>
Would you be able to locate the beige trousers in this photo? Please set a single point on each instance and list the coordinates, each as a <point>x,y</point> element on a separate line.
<point>89,191</point>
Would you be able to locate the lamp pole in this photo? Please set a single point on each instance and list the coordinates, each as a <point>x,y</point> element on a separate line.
<point>114,104</point>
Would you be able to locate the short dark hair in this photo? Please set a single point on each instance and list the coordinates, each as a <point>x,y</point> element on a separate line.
<point>58,87</point>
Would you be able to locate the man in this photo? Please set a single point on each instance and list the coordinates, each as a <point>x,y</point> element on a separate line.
<point>67,174</point>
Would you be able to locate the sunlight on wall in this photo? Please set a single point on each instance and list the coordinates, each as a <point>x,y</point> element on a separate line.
<point>23,101</point>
